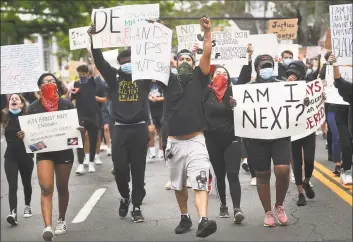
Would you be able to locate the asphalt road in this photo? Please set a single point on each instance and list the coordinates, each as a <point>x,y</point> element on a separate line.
<point>327,217</point>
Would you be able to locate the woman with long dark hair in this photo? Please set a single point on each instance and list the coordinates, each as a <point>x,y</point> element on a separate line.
<point>16,158</point>
<point>59,162</point>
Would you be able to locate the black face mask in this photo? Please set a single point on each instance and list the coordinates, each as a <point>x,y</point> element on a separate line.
<point>185,73</point>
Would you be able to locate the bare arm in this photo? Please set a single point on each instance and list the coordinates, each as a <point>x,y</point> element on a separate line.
<point>205,60</point>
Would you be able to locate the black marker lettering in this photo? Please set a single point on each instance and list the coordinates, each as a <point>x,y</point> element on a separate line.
<point>247,95</point>
<point>276,118</point>
<point>262,118</point>
<point>253,122</point>
<point>291,92</point>
<point>95,21</point>
<point>111,22</point>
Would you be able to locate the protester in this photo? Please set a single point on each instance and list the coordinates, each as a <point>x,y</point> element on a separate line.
<point>48,162</point>
<point>16,158</point>
<point>286,58</point>
<point>130,138</point>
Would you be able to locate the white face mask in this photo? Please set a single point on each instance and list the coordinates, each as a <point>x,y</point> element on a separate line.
<point>287,61</point>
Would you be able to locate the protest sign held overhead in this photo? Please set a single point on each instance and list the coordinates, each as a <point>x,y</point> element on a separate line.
<point>285,29</point>
<point>79,38</point>
<point>331,91</point>
<point>51,131</point>
<point>151,51</point>
<point>21,65</point>
<point>269,110</point>
<point>113,25</point>
<point>315,112</point>
<point>111,56</point>
<point>189,36</point>
<point>341,32</point>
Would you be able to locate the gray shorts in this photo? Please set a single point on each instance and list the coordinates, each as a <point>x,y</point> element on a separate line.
<point>188,160</point>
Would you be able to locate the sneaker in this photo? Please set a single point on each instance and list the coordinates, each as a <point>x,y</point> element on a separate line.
<point>85,161</point>
<point>98,161</point>
<point>337,170</point>
<point>136,215</point>
<point>48,234</point>
<point>281,215</point>
<point>206,228</point>
<point>103,147</point>
<point>238,216</point>
<point>109,151</point>
<point>223,211</point>
<point>309,191</point>
<point>245,165</point>
<point>269,220</point>
<point>184,225</point>
<point>160,154</point>
<point>61,228</point>
<point>188,184</point>
<point>253,181</point>
<point>91,168</point>
<point>124,207</point>
<point>310,184</point>
<point>346,177</point>
<point>27,213</point>
<point>80,170</point>
<point>168,186</point>
<point>12,218</point>
<point>301,200</point>
<point>152,156</point>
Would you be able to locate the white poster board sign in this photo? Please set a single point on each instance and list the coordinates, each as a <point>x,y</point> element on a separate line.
<point>21,66</point>
<point>51,131</point>
<point>113,25</point>
<point>331,91</point>
<point>341,32</point>
<point>189,36</point>
<point>315,112</point>
<point>151,48</point>
<point>79,38</point>
<point>269,110</point>
<point>111,56</point>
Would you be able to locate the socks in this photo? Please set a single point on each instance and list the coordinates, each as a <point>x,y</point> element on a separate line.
<point>87,156</point>
<point>203,218</point>
<point>152,151</point>
<point>187,215</point>
<point>97,156</point>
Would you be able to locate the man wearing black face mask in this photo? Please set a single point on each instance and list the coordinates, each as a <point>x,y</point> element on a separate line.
<point>186,152</point>
<point>130,112</point>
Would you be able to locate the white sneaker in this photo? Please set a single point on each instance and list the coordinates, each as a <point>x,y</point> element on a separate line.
<point>346,177</point>
<point>61,228</point>
<point>91,167</point>
<point>98,161</point>
<point>48,234</point>
<point>27,213</point>
<point>80,170</point>
<point>168,186</point>
<point>160,154</point>
<point>310,184</point>
<point>245,165</point>
<point>253,181</point>
<point>109,152</point>
<point>85,161</point>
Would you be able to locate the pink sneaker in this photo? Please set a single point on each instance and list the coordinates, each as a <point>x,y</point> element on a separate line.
<point>281,215</point>
<point>269,220</point>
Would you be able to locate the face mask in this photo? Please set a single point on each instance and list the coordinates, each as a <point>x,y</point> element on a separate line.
<point>84,80</point>
<point>185,72</point>
<point>286,62</point>
<point>174,71</point>
<point>15,111</point>
<point>219,86</point>
<point>49,91</point>
<point>126,68</point>
<point>309,71</point>
<point>266,73</point>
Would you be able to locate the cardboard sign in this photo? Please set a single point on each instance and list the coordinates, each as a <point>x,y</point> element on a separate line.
<point>341,32</point>
<point>79,38</point>
<point>285,29</point>
<point>21,66</point>
<point>113,25</point>
<point>51,131</point>
<point>269,110</point>
<point>189,36</point>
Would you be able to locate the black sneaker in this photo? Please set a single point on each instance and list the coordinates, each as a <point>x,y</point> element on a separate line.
<point>184,225</point>
<point>124,207</point>
<point>245,166</point>
<point>309,191</point>
<point>12,218</point>
<point>206,228</point>
<point>223,211</point>
<point>136,215</point>
<point>337,170</point>
<point>301,200</point>
<point>238,216</point>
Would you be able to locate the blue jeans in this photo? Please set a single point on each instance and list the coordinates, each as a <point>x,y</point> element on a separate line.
<point>336,147</point>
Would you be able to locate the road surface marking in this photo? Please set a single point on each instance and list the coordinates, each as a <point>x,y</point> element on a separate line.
<point>86,210</point>
<point>331,185</point>
<point>329,173</point>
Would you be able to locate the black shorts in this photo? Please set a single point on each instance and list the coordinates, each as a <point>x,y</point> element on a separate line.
<point>156,121</point>
<point>260,153</point>
<point>58,157</point>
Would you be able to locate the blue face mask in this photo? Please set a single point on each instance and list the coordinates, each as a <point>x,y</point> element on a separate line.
<point>84,79</point>
<point>286,62</point>
<point>15,111</point>
<point>174,71</point>
<point>266,73</point>
<point>126,68</point>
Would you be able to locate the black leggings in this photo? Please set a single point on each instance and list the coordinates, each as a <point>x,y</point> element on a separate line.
<point>307,144</point>
<point>225,155</point>
<point>23,165</point>
<point>92,130</point>
<point>244,154</point>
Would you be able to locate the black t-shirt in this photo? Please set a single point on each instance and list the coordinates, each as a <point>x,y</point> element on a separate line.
<point>101,90</point>
<point>156,107</point>
<point>184,105</point>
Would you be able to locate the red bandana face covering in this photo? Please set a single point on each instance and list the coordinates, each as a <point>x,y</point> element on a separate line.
<point>50,97</point>
<point>219,86</point>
